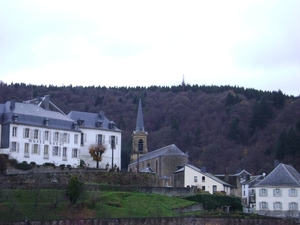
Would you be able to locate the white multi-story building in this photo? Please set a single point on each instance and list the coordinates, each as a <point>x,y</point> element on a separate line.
<point>97,130</point>
<point>33,134</point>
<point>278,194</point>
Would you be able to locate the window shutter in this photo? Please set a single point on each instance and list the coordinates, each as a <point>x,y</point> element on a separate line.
<point>31,133</point>
<point>103,139</point>
<point>109,141</point>
<point>17,147</point>
<point>39,133</point>
<point>96,138</point>
<point>116,140</point>
<point>59,151</point>
<point>24,132</point>
<point>39,149</point>
<point>260,193</point>
<point>49,136</point>
<point>32,148</point>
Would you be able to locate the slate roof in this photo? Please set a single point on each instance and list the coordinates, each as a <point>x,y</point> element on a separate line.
<point>33,115</point>
<point>204,173</point>
<point>90,120</point>
<point>282,175</point>
<point>170,150</point>
<point>140,120</point>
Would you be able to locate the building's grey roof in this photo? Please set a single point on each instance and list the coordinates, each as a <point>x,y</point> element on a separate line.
<point>91,120</point>
<point>170,150</point>
<point>253,180</point>
<point>33,115</point>
<point>282,175</point>
<point>204,173</point>
<point>140,120</point>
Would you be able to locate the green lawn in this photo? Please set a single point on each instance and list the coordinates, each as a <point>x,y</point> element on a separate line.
<point>18,205</point>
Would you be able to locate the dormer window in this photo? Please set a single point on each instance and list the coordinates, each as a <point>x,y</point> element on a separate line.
<point>46,121</point>
<point>15,117</point>
<point>98,124</point>
<point>80,122</point>
<point>112,125</point>
<point>75,125</point>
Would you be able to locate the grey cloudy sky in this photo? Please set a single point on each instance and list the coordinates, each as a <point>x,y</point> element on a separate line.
<point>251,44</point>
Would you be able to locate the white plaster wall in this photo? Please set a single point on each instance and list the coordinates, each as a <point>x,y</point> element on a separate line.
<point>209,183</point>
<point>90,139</point>
<point>39,158</point>
<point>285,199</point>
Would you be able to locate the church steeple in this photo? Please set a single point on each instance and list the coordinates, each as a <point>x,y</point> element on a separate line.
<point>139,136</point>
<point>140,119</point>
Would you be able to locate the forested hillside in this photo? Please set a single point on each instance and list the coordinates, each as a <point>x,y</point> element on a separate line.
<point>224,128</point>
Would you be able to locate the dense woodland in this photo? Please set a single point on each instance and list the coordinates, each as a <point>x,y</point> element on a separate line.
<point>225,128</point>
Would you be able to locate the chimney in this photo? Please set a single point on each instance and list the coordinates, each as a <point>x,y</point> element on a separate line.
<point>12,104</point>
<point>46,102</point>
<point>102,115</point>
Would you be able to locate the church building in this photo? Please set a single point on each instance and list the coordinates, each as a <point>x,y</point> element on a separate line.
<point>162,162</point>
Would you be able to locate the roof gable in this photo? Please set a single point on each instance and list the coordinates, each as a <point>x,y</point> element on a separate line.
<point>282,175</point>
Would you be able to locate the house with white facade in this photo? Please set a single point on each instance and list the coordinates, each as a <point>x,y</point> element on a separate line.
<point>98,131</point>
<point>278,194</point>
<point>37,131</point>
<point>33,134</point>
<point>189,176</point>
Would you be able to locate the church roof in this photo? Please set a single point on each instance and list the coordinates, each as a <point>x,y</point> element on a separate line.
<point>282,175</point>
<point>170,150</point>
<point>140,119</point>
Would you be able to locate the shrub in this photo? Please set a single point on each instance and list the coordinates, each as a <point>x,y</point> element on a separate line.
<point>74,189</point>
<point>23,166</point>
<point>213,202</point>
<point>48,164</point>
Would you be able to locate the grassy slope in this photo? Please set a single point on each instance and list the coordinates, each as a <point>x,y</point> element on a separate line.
<point>40,204</point>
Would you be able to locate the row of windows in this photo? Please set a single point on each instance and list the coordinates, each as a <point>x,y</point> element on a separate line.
<point>36,149</point>
<point>61,137</point>
<point>196,179</point>
<point>277,192</point>
<point>277,206</point>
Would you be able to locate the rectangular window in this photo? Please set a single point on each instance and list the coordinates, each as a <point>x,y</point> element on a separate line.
<point>46,151</point>
<point>195,179</point>
<point>14,147</point>
<point>203,178</point>
<point>74,153</point>
<point>203,188</point>
<point>214,188</point>
<point>55,151</point>
<point>293,206</point>
<point>99,139</point>
<point>26,150</point>
<point>26,133</point>
<point>35,149</point>
<point>56,137</point>
<point>263,205</point>
<point>66,138</point>
<point>112,142</point>
<point>46,135</point>
<point>293,192</point>
<point>64,153</point>
<point>82,139</point>
<point>277,206</point>
<point>75,138</point>
<point>263,192</point>
<point>277,192</point>
<point>36,134</point>
<point>14,132</point>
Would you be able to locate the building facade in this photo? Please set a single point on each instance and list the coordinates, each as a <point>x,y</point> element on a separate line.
<point>278,194</point>
<point>97,131</point>
<point>33,134</point>
<point>191,176</point>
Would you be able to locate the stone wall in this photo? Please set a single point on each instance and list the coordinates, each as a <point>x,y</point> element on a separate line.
<point>161,221</point>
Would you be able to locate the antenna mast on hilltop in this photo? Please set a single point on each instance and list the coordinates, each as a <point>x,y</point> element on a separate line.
<point>183,83</point>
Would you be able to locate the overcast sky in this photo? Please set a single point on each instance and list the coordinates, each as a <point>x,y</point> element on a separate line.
<point>251,44</point>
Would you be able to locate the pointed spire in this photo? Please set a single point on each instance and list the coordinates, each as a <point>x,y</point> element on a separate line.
<point>140,119</point>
